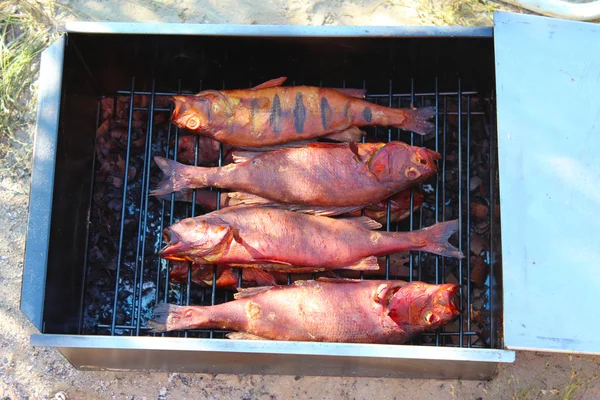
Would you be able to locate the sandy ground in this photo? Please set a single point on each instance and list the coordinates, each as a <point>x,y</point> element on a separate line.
<point>27,372</point>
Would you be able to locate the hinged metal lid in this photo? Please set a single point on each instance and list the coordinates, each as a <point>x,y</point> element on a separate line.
<point>548,103</point>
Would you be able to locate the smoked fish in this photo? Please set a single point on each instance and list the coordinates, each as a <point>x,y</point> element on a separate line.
<point>320,178</point>
<point>270,114</point>
<point>286,241</point>
<point>324,310</point>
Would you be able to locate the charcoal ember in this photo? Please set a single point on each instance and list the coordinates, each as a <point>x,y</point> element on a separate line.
<point>475,183</point>
<point>479,211</point>
<point>139,142</point>
<point>96,254</point>
<point>115,205</point>
<point>478,244</point>
<point>450,278</point>
<point>482,227</point>
<point>141,100</point>
<point>163,101</point>
<point>103,129</point>
<point>139,115</point>
<point>116,182</point>
<point>479,271</point>
<point>118,133</point>
<point>106,106</point>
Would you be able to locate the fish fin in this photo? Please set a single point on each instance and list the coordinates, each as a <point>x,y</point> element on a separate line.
<point>273,262</point>
<point>249,292</point>
<point>243,336</point>
<point>289,145</point>
<point>270,83</point>
<point>338,280</point>
<point>354,148</point>
<point>242,198</point>
<point>363,222</point>
<point>317,210</point>
<point>364,264</point>
<point>358,93</point>
<point>168,317</point>
<point>247,198</point>
<point>255,102</point>
<point>178,177</point>
<point>326,145</point>
<point>347,135</point>
<point>435,239</point>
<point>243,156</point>
<point>416,120</point>
<point>262,278</point>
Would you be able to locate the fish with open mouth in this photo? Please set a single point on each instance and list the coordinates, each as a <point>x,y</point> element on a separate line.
<point>286,241</point>
<point>324,310</point>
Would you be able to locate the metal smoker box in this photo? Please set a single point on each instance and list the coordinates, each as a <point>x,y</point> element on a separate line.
<point>515,123</point>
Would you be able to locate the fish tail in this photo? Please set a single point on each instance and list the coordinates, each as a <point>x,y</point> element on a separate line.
<point>169,317</point>
<point>416,120</point>
<point>179,177</point>
<point>436,238</point>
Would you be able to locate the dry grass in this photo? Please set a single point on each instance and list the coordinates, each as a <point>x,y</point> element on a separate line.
<point>27,27</point>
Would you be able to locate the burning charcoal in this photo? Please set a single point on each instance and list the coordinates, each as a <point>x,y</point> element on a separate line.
<point>139,115</point>
<point>96,254</point>
<point>107,105</point>
<point>116,182</point>
<point>118,133</point>
<point>475,182</point>
<point>450,278</point>
<point>139,142</point>
<point>115,205</point>
<point>482,227</point>
<point>478,244</point>
<point>141,100</point>
<point>103,129</point>
<point>479,271</point>
<point>479,211</point>
<point>162,101</point>
<point>160,117</point>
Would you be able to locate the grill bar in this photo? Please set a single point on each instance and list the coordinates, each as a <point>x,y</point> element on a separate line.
<point>124,203</point>
<point>468,214</point>
<point>449,191</point>
<point>460,211</point>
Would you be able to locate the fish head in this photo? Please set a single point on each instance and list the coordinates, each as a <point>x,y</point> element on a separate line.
<point>196,239</point>
<point>204,112</point>
<point>398,161</point>
<point>420,306</point>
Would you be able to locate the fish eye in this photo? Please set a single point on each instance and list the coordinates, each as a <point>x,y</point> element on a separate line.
<point>431,318</point>
<point>412,173</point>
<point>193,122</point>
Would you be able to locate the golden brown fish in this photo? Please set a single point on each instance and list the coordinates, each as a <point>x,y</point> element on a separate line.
<point>270,114</point>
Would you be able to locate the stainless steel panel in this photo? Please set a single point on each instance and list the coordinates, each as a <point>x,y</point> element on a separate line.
<point>42,182</point>
<point>277,30</point>
<point>272,357</point>
<point>548,84</point>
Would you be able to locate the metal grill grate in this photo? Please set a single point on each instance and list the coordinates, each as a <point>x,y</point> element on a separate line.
<point>140,278</point>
